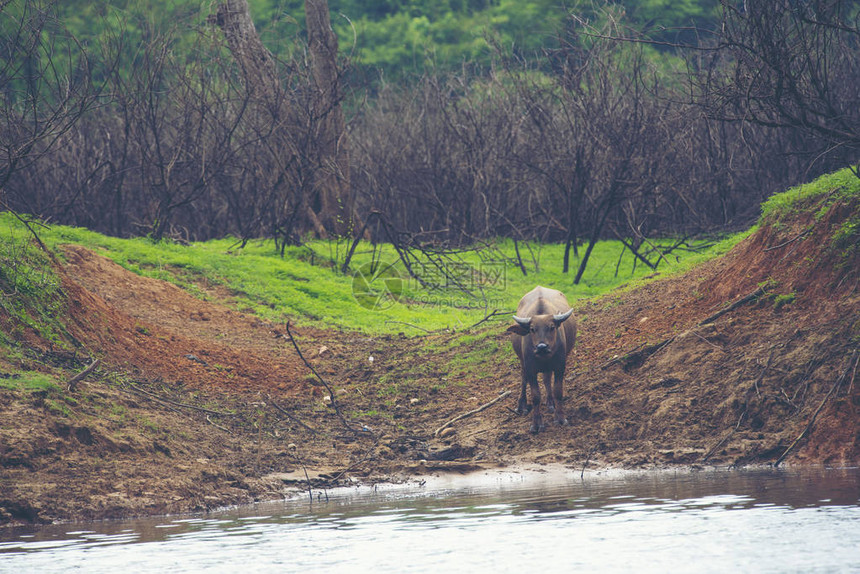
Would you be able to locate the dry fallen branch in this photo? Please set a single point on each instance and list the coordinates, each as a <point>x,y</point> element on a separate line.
<point>492,315</point>
<point>640,353</point>
<point>408,325</point>
<point>803,233</point>
<point>470,413</point>
<point>29,225</point>
<point>137,393</point>
<point>295,455</point>
<point>760,377</point>
<point>73,382</point>
<point>591,451</point>
<point>343,420</point>
<point>809,229</point>
<point>368,454</point>
<point>217,426</point>
<point>853,376</point>
<point>618,358</point>
<point>291,416</point>
<point>717,347</point>
<point>742,301</point>
<point>852,366</point>
<point>178,404</point>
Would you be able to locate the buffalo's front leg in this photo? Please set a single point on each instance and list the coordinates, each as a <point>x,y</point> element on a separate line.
<point>523,407</point>
<point>550,398</point>
<point>537,420</point>
<point>558,396</point>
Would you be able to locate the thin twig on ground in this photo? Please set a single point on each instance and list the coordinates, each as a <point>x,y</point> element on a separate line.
<point>760,377</point>
<point>853,376</point>
<point>217,426</point>
<point>73,382</point>
<point>409,325</point>
<point>138,393</point>
<point>809,229</point>
<point>717,347</point>
<point>471,413</point>
<point>365,433</point>
<point>181,405</point>
<point>743,300</point>
<point>367,456</point>
<point>790,241</point>
<point>644,351</point>
<point>295,450</point>
<point>618,359</point>
<point>27,224</point>
<point>725,439</point>
<point>495,313</point>
<point>587,458</point>
<point>289,415</point>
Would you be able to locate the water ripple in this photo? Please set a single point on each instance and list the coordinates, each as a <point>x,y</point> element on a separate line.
<point>762,521</point>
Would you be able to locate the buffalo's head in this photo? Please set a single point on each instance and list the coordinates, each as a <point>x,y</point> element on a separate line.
<point>543,330</point>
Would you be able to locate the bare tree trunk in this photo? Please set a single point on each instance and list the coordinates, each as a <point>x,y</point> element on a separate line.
<point>608,204</point>
<point>255,60</point>
<point>332,179</point>
<point>329,209</point>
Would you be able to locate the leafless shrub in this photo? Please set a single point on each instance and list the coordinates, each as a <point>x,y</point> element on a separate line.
<point>791,66</point>
<point>46,85</point>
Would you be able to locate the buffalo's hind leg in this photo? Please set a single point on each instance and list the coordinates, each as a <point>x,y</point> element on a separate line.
<point>558,397</point>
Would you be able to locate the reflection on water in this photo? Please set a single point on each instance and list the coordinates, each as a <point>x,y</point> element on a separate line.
<point>758,520</point>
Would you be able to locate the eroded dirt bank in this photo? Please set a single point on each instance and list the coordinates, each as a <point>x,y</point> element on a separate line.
<point>197,405</point>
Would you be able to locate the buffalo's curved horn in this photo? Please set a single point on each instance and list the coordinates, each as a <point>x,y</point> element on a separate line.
<point>523,322</point>
<point>560,318</point>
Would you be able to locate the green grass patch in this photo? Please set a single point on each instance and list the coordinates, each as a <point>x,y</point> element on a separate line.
<point>30,382</point>
<point>846,240</point>
<point>842,184</point>
<point>377,293</point>
<point>781,301</point>
<point>30,291</point>
<point>29,385</point>
<point>474,357</point>
<point>146,424</point>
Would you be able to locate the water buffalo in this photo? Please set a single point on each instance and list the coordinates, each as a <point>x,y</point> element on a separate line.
<point>543,337</point>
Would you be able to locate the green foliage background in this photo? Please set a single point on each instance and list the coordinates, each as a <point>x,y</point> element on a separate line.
<point>394,37</point>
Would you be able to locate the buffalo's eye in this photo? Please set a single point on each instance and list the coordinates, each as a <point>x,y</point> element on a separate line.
<point>552,327</point>
<point>532,329</point>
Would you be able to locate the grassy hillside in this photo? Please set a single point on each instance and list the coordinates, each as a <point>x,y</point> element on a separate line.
<point>843,185</point>
<point>376,294</point>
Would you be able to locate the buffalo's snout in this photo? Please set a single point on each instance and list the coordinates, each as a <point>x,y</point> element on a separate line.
<point>541,349</point>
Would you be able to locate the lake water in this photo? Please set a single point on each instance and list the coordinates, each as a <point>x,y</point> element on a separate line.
<point>753,520</point>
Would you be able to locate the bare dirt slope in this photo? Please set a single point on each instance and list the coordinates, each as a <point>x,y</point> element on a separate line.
<point>197,405</point>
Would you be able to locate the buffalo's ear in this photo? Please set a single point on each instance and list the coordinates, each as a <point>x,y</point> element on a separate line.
<point>517,330</point>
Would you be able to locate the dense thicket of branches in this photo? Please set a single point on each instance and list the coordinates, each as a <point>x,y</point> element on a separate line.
<point>600,137</point>
<point>196,144</point>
